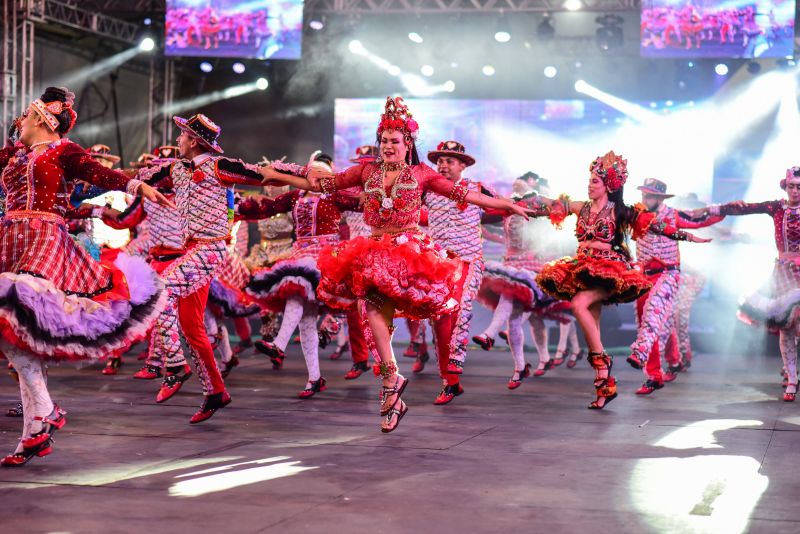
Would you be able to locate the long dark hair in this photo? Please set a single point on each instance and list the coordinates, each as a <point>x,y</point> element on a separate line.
<point>623,219</point>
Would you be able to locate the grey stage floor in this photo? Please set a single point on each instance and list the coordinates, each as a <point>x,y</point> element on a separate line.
<point>715,451</point>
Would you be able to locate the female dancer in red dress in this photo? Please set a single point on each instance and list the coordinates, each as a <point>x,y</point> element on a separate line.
<point>602,271</point>
<point>777,304</point>
<point>398,269</point>
<point>56,302</point>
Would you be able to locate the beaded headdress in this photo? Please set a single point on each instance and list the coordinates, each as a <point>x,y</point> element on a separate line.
<point>48,111</point>
<point>612,169</point>
<point>397,117</point>
<point>792,172</point>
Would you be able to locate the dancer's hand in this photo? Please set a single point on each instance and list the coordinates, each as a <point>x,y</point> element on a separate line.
<point>694,239</point>
<point>315,177</point>
<point>152,194</point>
<point>515,209</point>
<point>271,176</point>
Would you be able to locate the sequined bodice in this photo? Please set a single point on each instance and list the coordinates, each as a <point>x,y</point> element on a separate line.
<point>598,226</point>
<point>43,182</point>
<point>316,215</point>
<point>787,230</point>
<point>395,206</point>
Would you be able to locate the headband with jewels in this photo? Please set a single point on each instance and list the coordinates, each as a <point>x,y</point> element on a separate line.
<point>49,111</point>
<point>397,117</point>
<point>201,128</point>
<point>365,154</point>
<point>453,149</point>
<point>102,151</point>
<point>612,169</point>
<point>791,172</point>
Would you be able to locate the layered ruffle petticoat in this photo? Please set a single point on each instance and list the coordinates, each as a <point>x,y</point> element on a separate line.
<point>594,269</point>
<point>58,303</point>
<point>777,304</point>
<point>406,268</point>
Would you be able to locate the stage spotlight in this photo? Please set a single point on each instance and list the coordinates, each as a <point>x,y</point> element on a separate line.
<point>238,68</point>
<point>609,35</point>
<point>581,86</point>
<point>449,86</point>
<point>550,71</point>
<point>206,67</point>
<point>147,21</point>
<point>691,64</point>
<point>414,37</point>
<point>545,31</point>
<point>262,84</point>
<point>394,70</point>
<point>426,70</point>
<point>502,37</point>
<point>147,44</point>
<point>316,25</point>
<point>355,46</point>
<point>721,69</point>
<point>488,70</point>
<point>573,5</point>
<point>753,67</point>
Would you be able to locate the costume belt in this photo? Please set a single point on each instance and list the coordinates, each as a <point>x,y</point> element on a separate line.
<point>33,215</point>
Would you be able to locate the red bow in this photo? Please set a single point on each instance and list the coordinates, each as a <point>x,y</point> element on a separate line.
<point>198,176</point>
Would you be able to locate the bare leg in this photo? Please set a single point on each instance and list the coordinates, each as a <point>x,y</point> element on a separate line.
<point>380,323</point>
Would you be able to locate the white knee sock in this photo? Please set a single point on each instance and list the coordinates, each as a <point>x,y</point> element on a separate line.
<point>501,315</point>
<point>309,339</point>
<point>292,313</point>
<point>33,388</point>
<point>540,338</point>
<point>516,338</point>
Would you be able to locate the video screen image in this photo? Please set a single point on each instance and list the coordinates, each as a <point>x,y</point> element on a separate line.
<point>717,29</point>
<point>260,29</point>
<point>557,139</point>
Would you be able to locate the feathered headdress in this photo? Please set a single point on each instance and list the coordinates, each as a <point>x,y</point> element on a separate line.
<point>612,169</point>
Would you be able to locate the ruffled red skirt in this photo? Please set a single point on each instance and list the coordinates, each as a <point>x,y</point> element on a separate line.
<point>594,269</point>
<point>407,268</point>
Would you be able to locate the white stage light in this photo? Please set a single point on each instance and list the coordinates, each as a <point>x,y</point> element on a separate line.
<point>415,37</point>
<point>262,83</point>
<point>573,5</point>
<point>238,68</point>
<point>206,67</point>
<point>502,37</point>
<point>488,70</point>
<point>394,70</point>
<point>449,86</point>
<point>147,44</point>
<point>550,71</point>
<point>355,46</point>
<point>316,25</point>
<point>581,86</point>
<point>426,70</point>
<point>721,69</point>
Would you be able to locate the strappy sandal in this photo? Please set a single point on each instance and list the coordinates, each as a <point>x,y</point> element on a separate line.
<point>573,359</point>
<point>397,411</point>
<point>388,391</point>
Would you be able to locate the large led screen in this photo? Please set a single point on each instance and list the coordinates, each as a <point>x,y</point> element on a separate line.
<point>557,139</point>
<point>261,29</point>
<point>717,28</point>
